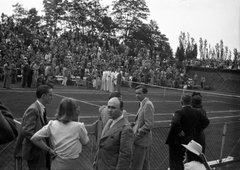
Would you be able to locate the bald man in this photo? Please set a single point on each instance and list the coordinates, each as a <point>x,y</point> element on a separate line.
<point>115,146</point>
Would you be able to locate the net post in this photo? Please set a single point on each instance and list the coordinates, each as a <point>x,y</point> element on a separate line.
<point>223,141</point>
<point>183,91</point>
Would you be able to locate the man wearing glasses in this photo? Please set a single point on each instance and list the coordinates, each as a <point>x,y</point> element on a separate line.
<point>33,120</point>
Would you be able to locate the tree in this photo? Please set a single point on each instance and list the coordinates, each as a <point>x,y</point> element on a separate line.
<point>54,14</point>
<point>26,23</point>
<point>221,49</point>
<point>187,49</point>
<point>128,14</point>
<point>19,12</point>
<point>201,47</point>
<point>235,53</point>
<point>180,53</point>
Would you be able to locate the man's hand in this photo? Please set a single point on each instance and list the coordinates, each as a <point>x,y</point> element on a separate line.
<point>182,133</point>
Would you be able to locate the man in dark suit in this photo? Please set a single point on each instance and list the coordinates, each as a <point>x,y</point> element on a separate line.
<point>186,123</point>
<point>142,128</point>
<point>119,81</point>
<point>115,145</point>
<point>33,120</point>
<point>8,128</point>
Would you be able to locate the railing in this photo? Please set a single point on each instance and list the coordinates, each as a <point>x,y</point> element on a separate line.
<point>222,145</point>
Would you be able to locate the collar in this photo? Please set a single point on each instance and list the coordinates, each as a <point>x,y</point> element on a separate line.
<point>143,101</point>
<point>116,120</point>
<point>42,107</point>
<point>186,106</point>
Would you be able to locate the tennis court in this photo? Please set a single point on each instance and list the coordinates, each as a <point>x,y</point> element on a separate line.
<point>219,106</point>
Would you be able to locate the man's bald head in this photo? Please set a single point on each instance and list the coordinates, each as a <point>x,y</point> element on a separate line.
<point>115,107</point>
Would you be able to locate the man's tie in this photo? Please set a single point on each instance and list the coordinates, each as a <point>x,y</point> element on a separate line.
<point>135,125</point>
<point>45,116</point>
<point>108,127</point>
<point>48,158</point>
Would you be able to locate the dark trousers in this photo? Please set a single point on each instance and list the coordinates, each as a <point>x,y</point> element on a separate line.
<point>41,161</point>
<point>141,158</point>
<point>24,81</point>
<point>176,157</point>
<point>6,81</point>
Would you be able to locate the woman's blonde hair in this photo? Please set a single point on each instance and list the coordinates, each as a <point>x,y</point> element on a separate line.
<point>68,110</point>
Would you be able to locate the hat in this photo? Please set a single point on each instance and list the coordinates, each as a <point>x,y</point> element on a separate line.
<point>196,100</point>
<point>194,147</point>
<point>196,94</point>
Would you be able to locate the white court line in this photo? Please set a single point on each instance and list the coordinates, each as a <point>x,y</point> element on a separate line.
<point>79,100</point>
<point>84,92</point>
<point>102,92</point>
<point>211,118</point>
<point>167,114</point>
<point>162,114</point>
<point>72,92</point>
<point>209,112</point>
<point>135,101</point>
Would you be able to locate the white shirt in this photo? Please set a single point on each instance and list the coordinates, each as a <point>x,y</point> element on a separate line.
<point>67,139</point>
<point>194,165</point>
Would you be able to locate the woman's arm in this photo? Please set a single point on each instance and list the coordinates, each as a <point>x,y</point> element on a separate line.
<point>38,138</point>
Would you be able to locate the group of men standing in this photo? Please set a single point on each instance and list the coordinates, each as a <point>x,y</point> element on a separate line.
<point>111,80</point>
<point>122,145</point>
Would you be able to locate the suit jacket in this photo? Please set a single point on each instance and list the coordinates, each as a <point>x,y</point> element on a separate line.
<point>119,78</point>
<point>188,120</point>
<point>144,123</point>
<point>115,147</point>
<point>103,118</point>
<point>8,128</point>
<point>31,123</point>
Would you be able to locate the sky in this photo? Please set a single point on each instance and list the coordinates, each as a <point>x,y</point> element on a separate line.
<point>213,20</point>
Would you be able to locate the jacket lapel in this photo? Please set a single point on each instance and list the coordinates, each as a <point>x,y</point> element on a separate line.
<point>114,128</point>
<point>40,112</point>
<point>140,107</point>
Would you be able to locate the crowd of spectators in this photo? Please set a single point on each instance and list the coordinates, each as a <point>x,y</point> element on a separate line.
<point>42,57</point>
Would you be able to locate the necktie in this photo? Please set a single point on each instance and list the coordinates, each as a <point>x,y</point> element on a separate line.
<point>108,127</point>
<point>45,116</point>
<point>47,140</point>
<point>140,107</point>
<point>136,122</point>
